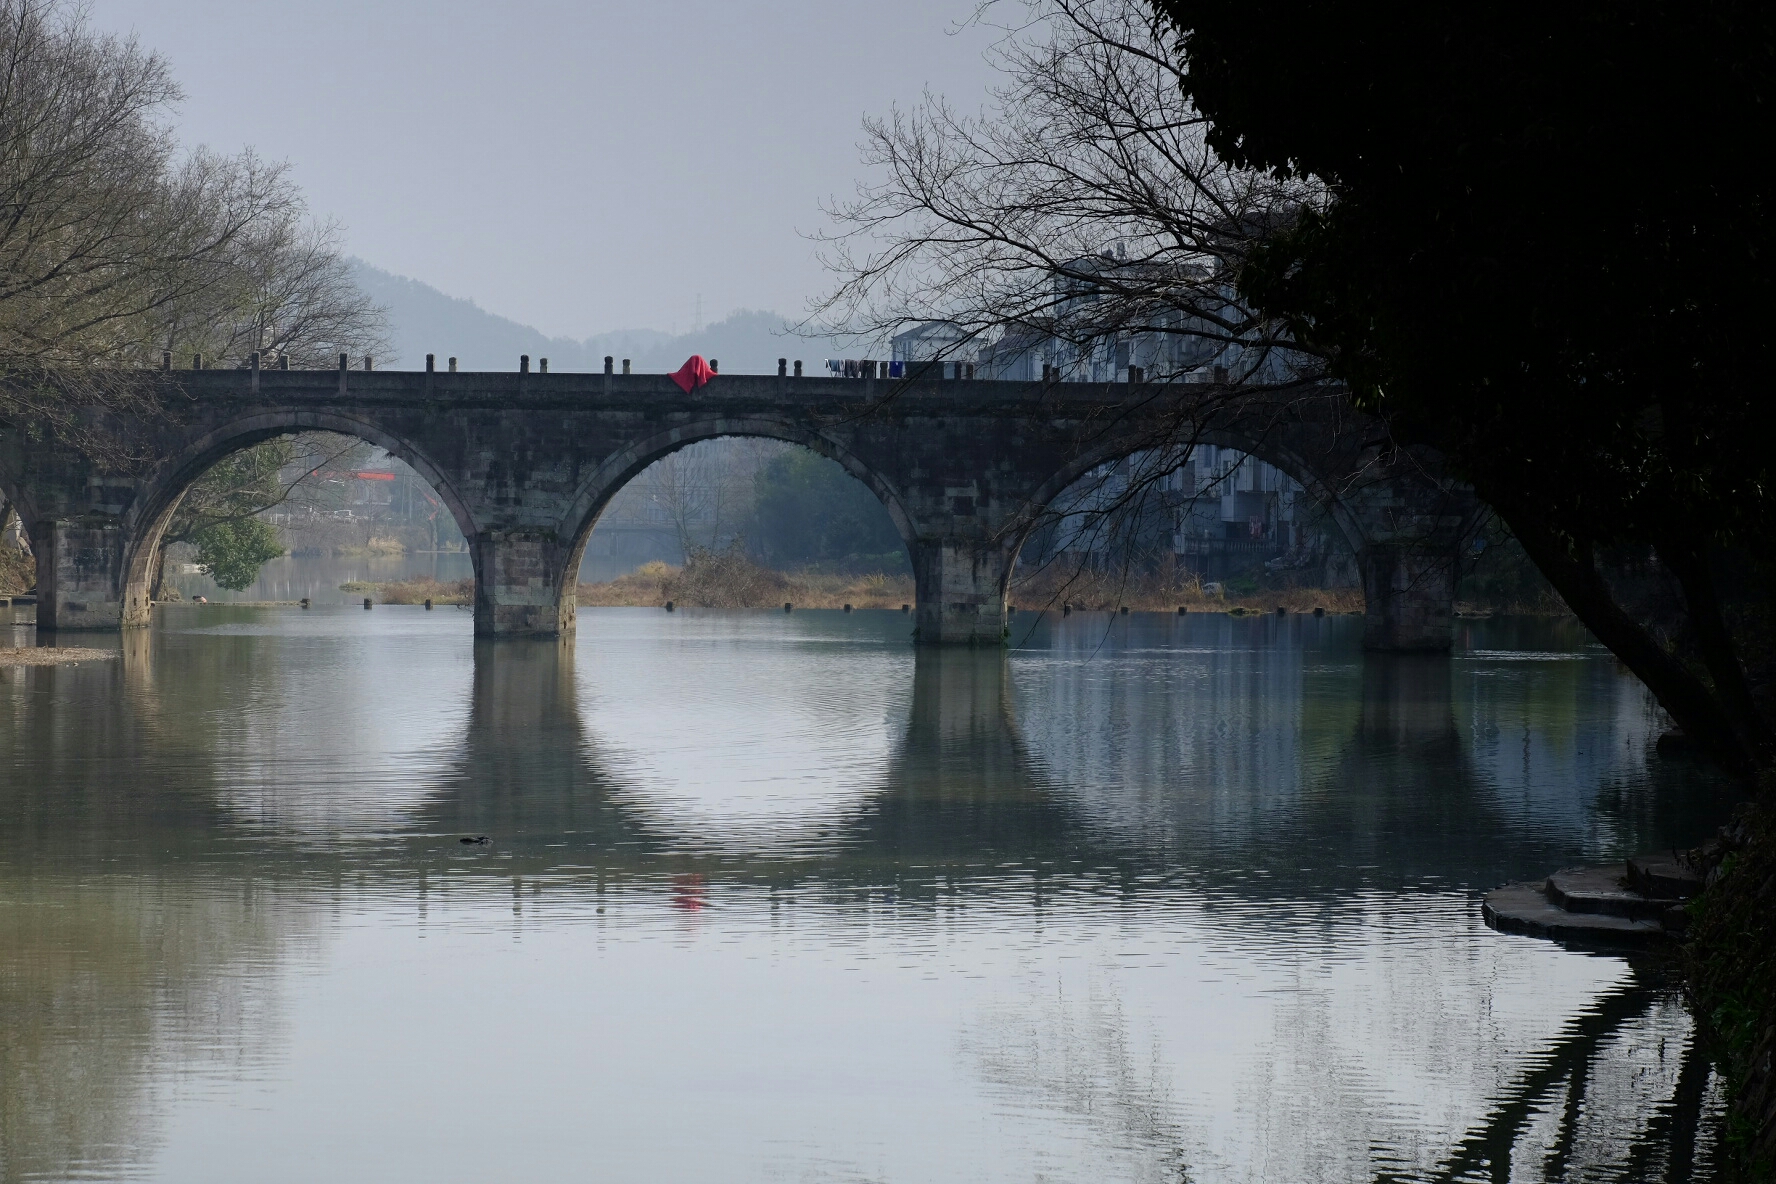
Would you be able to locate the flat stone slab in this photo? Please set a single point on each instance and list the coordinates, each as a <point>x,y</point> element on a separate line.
<point>1664,876</point>
<point>1525,909</point>
<point>1601,890</point>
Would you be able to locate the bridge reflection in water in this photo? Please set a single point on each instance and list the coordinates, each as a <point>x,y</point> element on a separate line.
<point>1171,895</point>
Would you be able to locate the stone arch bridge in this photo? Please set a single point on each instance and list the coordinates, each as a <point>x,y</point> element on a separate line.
<point>527,462</point>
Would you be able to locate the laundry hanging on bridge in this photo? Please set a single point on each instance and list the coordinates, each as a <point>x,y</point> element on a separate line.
<point>854,368</point>
<point>693,374</point>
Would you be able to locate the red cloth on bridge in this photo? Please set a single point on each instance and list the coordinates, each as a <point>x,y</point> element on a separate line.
<point>693,374</point>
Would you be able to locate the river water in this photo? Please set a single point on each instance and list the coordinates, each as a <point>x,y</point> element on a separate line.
<point>775,897</point>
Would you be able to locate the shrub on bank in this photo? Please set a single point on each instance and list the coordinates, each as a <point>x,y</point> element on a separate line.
<point>417,590</point>
<point>18,571</point>
<point>1732,976</point>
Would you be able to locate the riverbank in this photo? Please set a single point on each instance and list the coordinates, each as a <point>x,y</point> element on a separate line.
<point>1107,591</point>
<point>52,655</point>
<point>731,581</point>
<point>417,590</point>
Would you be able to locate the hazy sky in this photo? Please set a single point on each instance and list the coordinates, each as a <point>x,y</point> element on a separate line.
<point>580,167</point>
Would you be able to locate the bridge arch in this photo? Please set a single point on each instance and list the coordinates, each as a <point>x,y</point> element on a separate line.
<point>1269,450</point>
<point>626,464</point>
<point>166,483</point>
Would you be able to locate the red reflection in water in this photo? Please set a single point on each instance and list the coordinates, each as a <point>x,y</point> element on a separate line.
<point>690,892</point>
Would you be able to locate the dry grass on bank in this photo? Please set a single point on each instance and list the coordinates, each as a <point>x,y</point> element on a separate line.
<point>1051,588</point>
<point>733,581</point>
<point>729,580</point>
<point>417,590</point>
<point>52,655</point>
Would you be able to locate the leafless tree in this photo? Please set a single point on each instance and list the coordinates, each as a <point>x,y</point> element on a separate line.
<point>1081,216</point>
<point>101,224</point>
<point>706,489</point>
<point>114,245</point>
<point>281,289</point>
<point>1083,207</point>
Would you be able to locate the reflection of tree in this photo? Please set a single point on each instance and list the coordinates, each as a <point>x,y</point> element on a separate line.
<point>115,958</point>
<point>103,981</point>
<point>1577,1074</point>
<point>1077,1056</point>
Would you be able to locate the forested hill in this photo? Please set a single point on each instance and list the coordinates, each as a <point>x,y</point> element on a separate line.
<point>424,320</point>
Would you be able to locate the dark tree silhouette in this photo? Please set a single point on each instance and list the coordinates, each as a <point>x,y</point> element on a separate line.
<point>1546,251</point>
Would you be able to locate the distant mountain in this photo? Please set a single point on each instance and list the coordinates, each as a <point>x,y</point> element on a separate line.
<point>424,320</point>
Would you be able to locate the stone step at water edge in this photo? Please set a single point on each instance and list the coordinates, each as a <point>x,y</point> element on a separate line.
<point>1664,874</point>
<point>1525,908</point>
<point>1601,890</point>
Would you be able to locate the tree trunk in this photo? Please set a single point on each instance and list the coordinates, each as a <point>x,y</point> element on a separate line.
<point>1689,563</point>
<point>1691,703</point>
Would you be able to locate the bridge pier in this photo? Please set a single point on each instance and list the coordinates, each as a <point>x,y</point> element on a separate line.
<point>960,588</point>
<point>1409,590</point>
<point>520,587</point>
<point>80,574</point>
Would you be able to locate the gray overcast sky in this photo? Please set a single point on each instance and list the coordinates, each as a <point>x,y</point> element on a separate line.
<point>580,167</point>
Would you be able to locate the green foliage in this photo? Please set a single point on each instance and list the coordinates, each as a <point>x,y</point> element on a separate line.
<point>1732,975</point>
<point>810,512</point>
<point>237,486</point>
<point>232,552</point>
